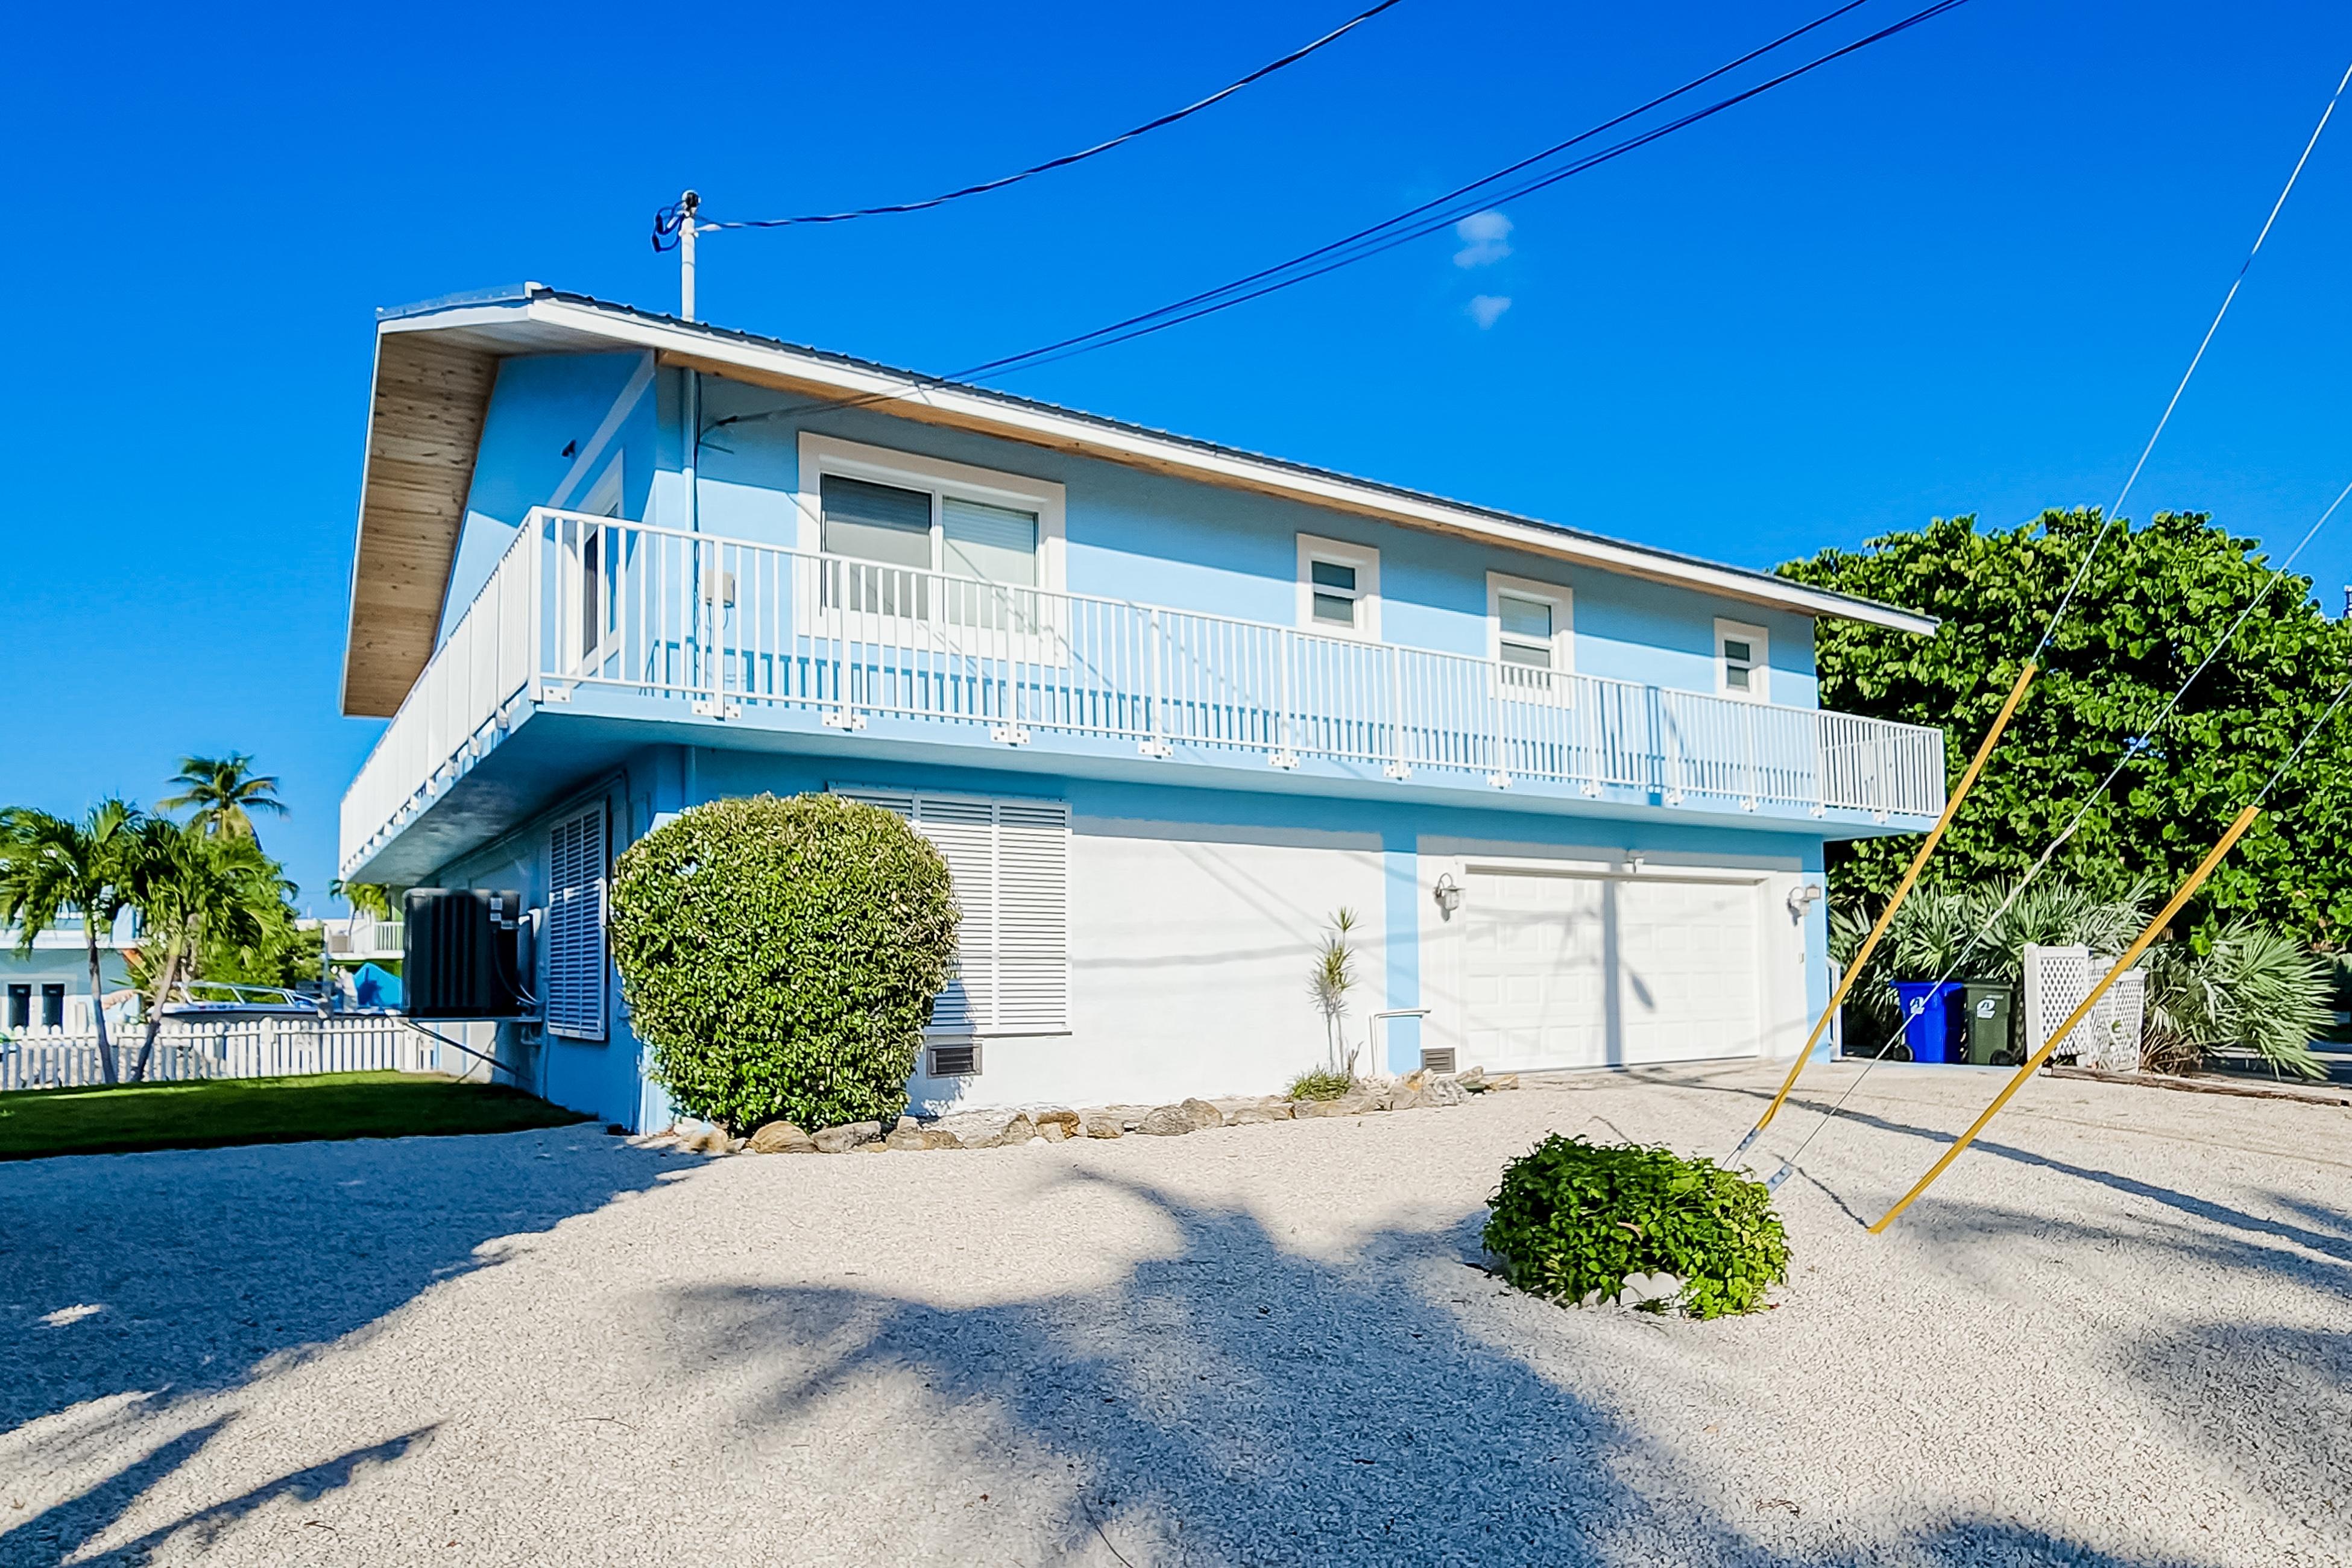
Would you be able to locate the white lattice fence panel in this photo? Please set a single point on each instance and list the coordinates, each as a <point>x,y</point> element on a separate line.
<point>2111,1033</point>
<point>2056,981</point>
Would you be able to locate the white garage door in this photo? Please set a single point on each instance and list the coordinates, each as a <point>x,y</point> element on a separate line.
<point>1591,971</point>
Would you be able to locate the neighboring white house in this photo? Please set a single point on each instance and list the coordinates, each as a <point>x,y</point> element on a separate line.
<point>1166,706</point>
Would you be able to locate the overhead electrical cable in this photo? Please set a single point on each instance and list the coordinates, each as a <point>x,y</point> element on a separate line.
<point>1399,229</point>
<point>665,222</point>
<point>1417,223</point>
<point>2199,357</point>
<point>2132,748</point>
<point>2025,677</point>
<point>2115,971</point>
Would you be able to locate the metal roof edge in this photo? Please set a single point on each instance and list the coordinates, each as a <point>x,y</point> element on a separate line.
<point>1400,503</point>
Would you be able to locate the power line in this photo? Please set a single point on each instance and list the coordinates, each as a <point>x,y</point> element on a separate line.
<point>1415,222</point>
<point>1402,228</point>
<point>2194,360</point>
<point>667,219</point>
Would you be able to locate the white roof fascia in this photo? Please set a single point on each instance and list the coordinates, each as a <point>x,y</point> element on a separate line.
<point>1056,428</point>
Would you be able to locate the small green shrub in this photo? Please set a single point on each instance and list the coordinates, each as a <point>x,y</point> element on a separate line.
<point>1320,1084</point>
<point>780,957</point>
<point>1572,1218</point>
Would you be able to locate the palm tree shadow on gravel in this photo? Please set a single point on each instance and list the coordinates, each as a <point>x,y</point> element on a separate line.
<point>1239,1402</point>
<point>176,1273</point>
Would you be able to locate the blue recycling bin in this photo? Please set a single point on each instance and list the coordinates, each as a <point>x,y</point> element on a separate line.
<point>1927,1016</point>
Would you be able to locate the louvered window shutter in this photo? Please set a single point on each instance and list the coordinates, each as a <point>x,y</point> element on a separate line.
<point>575,1003</point>
<point>1009,863</point>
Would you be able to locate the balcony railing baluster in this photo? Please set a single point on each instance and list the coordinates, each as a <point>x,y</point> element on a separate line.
<point>723,624</point>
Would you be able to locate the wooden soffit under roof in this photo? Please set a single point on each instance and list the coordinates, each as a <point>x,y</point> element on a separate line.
<point>424,430</point>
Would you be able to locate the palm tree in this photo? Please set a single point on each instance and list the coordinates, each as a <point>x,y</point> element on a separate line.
<point>225,790</point>
<point>365,897</point>
<point>192,887</point>
<point>49,866</point>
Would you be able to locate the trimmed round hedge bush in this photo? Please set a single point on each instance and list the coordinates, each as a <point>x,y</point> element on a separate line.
<point>780,957</point>
<point>1571,1218</point>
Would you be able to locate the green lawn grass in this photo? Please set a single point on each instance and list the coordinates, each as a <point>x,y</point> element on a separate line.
<point>220,1111</point>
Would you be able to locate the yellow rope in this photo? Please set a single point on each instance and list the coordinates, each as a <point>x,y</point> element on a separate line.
<point>2130,956</point>
<point>1902,890</point>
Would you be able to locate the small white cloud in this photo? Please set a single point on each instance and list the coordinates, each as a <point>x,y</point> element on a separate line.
<point>1487,309</point>
<point>1485,239</point>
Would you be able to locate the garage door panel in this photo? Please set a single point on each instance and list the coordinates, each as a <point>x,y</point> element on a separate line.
<point>1585,971</point>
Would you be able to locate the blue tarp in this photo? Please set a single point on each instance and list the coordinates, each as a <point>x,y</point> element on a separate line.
<point>376,987</point>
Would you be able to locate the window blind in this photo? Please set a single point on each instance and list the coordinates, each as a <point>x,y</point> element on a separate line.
<point>994,544</point>
<point>876,522</point>
<point>1009,858</point>
<point>574,1002</point>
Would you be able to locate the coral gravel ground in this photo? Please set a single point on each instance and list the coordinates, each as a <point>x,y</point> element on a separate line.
<point>2120,1333</point>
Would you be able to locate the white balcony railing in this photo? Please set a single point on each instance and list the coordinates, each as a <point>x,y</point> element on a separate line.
<point>726,627</point>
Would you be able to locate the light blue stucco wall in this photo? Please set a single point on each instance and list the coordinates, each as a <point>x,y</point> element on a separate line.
<point>539,405</point>
<point>607,1078</point>
<point>1131,534</point>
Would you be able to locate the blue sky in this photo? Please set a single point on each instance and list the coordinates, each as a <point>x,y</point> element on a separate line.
<point>1958,271</point>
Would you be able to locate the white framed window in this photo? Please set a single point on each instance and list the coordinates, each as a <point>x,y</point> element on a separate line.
<point>572,998</point>
<point>1743,662</point>
<point>891,516</point>
<point>1339,587</point>
<point>1530,635</point>
<point>1009,857</point>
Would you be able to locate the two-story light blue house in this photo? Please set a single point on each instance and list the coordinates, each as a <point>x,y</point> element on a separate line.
<point>1166,706</point>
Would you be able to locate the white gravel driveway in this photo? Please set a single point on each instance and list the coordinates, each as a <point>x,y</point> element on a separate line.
<point>2120,1333</point>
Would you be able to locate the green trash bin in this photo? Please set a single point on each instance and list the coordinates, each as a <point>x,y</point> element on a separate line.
<point>1986,1007</point>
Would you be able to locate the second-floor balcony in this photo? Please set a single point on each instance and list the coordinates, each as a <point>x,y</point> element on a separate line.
<point>640,623</point>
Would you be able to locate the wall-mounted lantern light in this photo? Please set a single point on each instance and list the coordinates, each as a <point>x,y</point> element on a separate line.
<point>1448,895</point>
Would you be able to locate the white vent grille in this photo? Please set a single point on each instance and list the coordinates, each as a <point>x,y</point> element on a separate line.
<point>1010,859</point>
<point>575,927</point>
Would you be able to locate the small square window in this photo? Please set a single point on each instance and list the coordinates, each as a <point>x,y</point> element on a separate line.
<point>1340,586</point>
<point>1741,664</point>
<point>53,1006</point>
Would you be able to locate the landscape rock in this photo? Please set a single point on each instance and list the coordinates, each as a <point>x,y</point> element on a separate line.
<point>709,1141</point>
<point>906,1135</point>
<point>1642,1288</point>
<point>1202,1114</point>
<point>1166,1122</point>
<point>985,1129</point>
<point>1474,1081</point>
<point>1506,1081</point>
<point>1345,1105</point>
<point>1051,1132</point>
<point>782,1138</point>
<point>1103,1124</point>
<point>842,1139</point>
<point>1067,1120</point>
<point>1442,1090</point>
<point>1258,1111</point>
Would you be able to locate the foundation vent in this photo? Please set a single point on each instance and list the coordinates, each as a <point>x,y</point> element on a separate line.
<point>956,1061</point>
<point>1437,1060</point>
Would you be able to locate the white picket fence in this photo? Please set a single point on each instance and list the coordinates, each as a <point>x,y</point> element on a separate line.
<point>225,1048</point>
